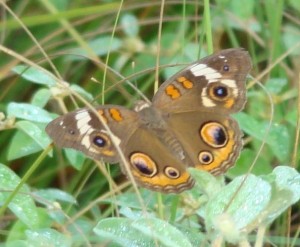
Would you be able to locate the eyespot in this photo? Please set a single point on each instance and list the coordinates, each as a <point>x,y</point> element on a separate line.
<point>100,141</point>
<point>205,157</point>
<point>214,134</point>
<point>220,91</point>
<point>143,164</point>
<point>172,172</point>
<point>71,132</point>
<point>226,67</point>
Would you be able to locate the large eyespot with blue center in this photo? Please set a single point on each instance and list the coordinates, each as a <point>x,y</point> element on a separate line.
<point>101,140</point>
<point>214,134</point>
<point>172,172</point>
<point>143,164</point>
<point>205,157</point>
<point>218,92</point>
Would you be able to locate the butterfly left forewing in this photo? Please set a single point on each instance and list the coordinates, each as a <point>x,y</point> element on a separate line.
<point>213,84</point>
<point>82,130</point>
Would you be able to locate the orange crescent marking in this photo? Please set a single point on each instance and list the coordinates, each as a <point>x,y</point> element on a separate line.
<point>115,114</point>
<point>172,91</point>
<point>185,82</point>
<point>229,103</point>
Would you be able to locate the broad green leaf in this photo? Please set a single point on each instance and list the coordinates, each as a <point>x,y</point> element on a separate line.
<point>75,157</point>
<point>206,182</point>
<point>35,75</point>
<point>244,162</point>
<point>130,25</point>
<point>278,138</point>
<point>82,92</point>
<point>47,237</point>
<point>276,85</point>
<point>162,232</point>
<point>34,132</point>
<point>141,232</point>
<point>295,4</point>
<point>54,195</point>
<point>101,46</point>
<point>243,207</point>
<point>22,204</point>
<point>86,227</point>
<point>17,243</point>
<point>291,38</point>
<point>21,146</point>
<point>288,178</point>
<point>242,8</point>
<point>120,232</point>
<point>285,183</point>
<point>28,112</point>
<point>41,97</point>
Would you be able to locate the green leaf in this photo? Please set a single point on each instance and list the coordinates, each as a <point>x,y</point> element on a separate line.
<point>101,46</point>
<point>28,112</point>
<point>141,232</point>
<point>161,231</point>
<point>295,4</point>
<point>285,183</point>
<point>35,75</point>
<point>22,204</point>
<point>54,195</point>
<point>276,85</point>
<point>41,97</point>
<point>34,132</point>
<point>22,146</point>
<point>244,162</point>
<point>47,237</point>
<point>242,8</point>
<point>291,38</point>
<point>130,25</point>
<point>243,207</point>
<point>288,178</point>
<point>82,92</point>
<point>278,138</point>
<point>120,232</point>
<point>75,157</point>
<point>206,182</point>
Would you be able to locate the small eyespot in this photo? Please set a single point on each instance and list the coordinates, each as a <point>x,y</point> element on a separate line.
<point>205,157</point>
<point>172,172</point>
<point>226,67</point>
<point>143,164</point>
<point>220,91</point>
<point>214,134</point>
<point>71,132</point>
<point>100,141</point>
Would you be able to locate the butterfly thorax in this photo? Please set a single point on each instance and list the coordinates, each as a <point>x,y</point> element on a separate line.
<point>150,116</point>
<point>154,120</point>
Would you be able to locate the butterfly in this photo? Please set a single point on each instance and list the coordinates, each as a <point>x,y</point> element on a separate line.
<point>187,124</point>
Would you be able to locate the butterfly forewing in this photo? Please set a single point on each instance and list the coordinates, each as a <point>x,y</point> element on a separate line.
<point>213,84</point>
<point>82,130</point>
